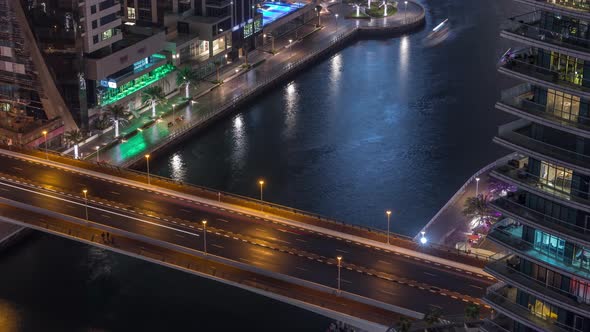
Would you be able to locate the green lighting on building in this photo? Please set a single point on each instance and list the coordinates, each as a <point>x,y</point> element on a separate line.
<point>112,95</point>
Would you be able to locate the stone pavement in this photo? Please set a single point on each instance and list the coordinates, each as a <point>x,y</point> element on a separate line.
<point>272,65</point>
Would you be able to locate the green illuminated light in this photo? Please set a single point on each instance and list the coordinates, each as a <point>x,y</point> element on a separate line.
<point>137,84</point>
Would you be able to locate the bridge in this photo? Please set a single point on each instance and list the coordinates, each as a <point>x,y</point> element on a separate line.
<point>280,252</point>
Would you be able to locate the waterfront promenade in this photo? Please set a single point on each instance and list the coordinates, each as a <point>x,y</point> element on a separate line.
<point>296,50</point>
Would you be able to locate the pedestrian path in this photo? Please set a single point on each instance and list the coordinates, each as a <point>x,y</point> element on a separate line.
<point>293,48</point>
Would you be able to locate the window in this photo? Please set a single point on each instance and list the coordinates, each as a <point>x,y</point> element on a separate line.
<point>570,69</point>
<point>563,105</point>
<point>95,39</point>
<point>107,34</point>
<point>556,177</point>
<point>248,30</point>
<point>94,24</point>
<point>549,244</point>
<point>543,310</point>
<point>93,9</point>
<point>581,290</point>
<point>131,13</point>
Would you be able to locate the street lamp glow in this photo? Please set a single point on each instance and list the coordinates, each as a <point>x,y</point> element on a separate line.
<point>204,222</point>
<point>388,212</point>
<point>261,183</point>
<point>339,258</point>
<point>147,161</point>
<point>97,153</point>
<point>423,239</point>
<point>476,187</point>
<point>45,138</point>
<point>85,192</point>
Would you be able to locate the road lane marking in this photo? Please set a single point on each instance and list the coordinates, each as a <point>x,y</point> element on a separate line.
<point>430,274</point>
<point>114,192</point>
<point>226,221</point>
<point>346,281</point>
<point>287,231</point>
<point>17,168</point>
<point>344,251</point>
<point>300,240</point>
<point>99,209</point>
<point>300,268</point>
<point>476,287</point>
<point>218,246</point>
<point>185,210</point>
<point>386,292</point>
<point>384,262</point>
<point>179,235</point>
<point>104,215</point>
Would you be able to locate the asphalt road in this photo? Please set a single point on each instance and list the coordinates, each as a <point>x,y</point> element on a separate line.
<point>304,254</point>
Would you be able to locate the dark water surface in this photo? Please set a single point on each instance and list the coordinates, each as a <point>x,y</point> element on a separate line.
<point>382,124</point>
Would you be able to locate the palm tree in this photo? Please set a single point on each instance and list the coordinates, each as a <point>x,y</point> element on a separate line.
<point>478,207</point>
<point>153,95</point>
<point>432,316</point>
<point>186,76</point>
<point>472,311</point>
<point>117,115</point>
<point>73,137</point>
<point>403,325</point>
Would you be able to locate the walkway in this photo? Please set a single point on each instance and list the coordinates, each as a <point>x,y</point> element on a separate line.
<point>270,66</point>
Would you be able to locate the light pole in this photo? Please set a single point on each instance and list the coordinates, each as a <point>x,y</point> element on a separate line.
<point>261,183</point>
<point>388,212</point>
<point>45,137</point>
<point>85,202</point>
<point>476,187</point>
<point>204,236</point>
<point>405,11</point>
<point>336,20</point>
<point>423,239</point>
<point>97,153</point>
<point>290,47</point>
<point>319,20</point>
<point>147,161</point>
<point>339,258</point>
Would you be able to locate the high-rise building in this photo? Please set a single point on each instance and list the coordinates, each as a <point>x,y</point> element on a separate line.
<point>545,281</point>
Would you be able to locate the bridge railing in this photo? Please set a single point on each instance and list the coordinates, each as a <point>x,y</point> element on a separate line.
<point>254,203</point>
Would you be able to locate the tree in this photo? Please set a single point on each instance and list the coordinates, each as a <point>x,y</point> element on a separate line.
<point>153,95</point>
<point>478,207</point>
<point>403,325</point>
<point>74,137</point>
<point>432,316</point>
<point>472,311</point>
<point>118,116</point>
<point>186,76</point>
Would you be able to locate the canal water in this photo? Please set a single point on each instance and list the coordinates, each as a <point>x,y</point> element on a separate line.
<point>387,124</point>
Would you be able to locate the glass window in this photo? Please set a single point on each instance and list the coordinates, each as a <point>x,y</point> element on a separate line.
<point>543,310</point>
<point>549,244</point>
<point>563,105</point>
<point>107,34</point>
<point>557,177</point>
<point>130,13</point>
<point>581,257</point>
<point>570,69</point>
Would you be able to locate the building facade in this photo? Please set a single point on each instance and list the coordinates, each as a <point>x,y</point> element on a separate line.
<point>545,281</point>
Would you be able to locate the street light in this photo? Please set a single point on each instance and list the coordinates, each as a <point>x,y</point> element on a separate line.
<point>423,239</point>
<point>45,137</point>
<point>339,258</point>
<point>336,21</point>
<point>261,183</point>
<point>147,161</point>
<point>290,47</point>
<point>388,212</point>
<point>97,153</point>
<point>85,202</point>
<point>204,236</point>
<point>476,187</point>
<point>405,11</point>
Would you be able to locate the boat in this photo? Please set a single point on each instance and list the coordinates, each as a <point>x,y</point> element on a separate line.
<point>438,34</point>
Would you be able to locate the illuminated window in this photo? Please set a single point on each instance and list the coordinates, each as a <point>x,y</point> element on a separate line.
<point>563,105</point>
<point>130,13</point>
<point>549,244</point>
<point>570,69</point>
<point>544,310</point>
<point>106,34</point>
<point>556,177</point>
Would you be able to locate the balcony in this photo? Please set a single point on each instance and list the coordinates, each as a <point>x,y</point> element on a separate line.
<point>509,235</point>
<point>498,324</point>
<point>513,136</point>
<point>521,178</point>
<point>217,3</point>
<point>524,66</point>
<point>504,301</point>
<point>579,9</point>
<point>518,101</point>
<point>510,207</point>
<point>506,269</point>
<point>527,29</point>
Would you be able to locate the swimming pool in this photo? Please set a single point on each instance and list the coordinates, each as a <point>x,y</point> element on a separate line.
<point>272,11</point>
